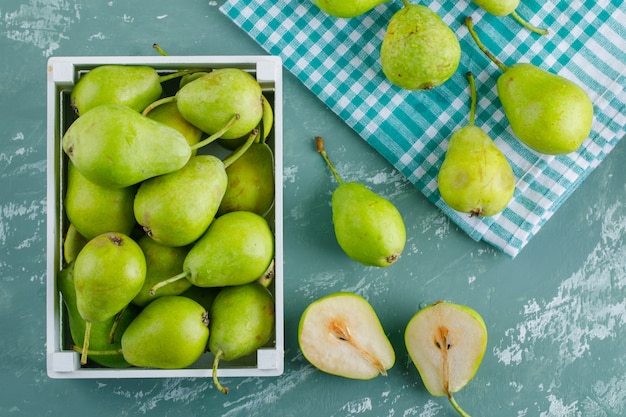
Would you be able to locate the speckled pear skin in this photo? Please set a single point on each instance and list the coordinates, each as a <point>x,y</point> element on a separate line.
<point>115,146</point>
<point>419,50</point>
<point>547,112</point>
<point>347,8</point>
<point>135,86</point>
<point>498,7</point>
<point>475,176</point>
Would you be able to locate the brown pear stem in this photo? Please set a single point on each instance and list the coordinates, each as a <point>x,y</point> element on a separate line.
<point>339,330</point>
<point>320,148</point>
<point>527,24</point>
<point>168,281</point>
<point>472,84</point>
<point>230,159</point>
<point>219,386</point>
<point>215,136</point>
<point>470,26</point>
<point>83,356</point>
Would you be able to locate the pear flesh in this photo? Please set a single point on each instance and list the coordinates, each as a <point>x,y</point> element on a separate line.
<point>419,50</point>
<point>341,334</point>
<point>115,146</point>
<point>347,8</point>
<point>446,342</point>
<point>547,112</point>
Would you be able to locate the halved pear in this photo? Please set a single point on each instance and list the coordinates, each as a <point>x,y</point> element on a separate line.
<point>341,334</point>
<point>446,342</point>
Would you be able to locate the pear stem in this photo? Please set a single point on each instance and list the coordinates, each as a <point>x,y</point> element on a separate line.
<point>158,48</point>
<point>320,148</point>
<point>456,406</point>
<point>216,361</point>
<point>230,159</point>
<point>168,281</point>
<point>178,74</point>
<point>470,78</point>
<point>527,24</point>
<point>157,104</point>
<point>406,3</point>
<point>116,322</point>
<point>83,356</point>
<point>215,136</point>
<point>470,26</point>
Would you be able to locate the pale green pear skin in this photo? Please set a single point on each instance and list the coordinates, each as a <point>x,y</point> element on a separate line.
<point>169,333</point>
<point>250,182</point>
<point>242,320</point>
<point>498,7</point>
<point>464,331</point>
<point>175,209</point>
<point>100,332</point>
<point>114,146</point>
<point>94,209</point>
<point>236,249</point>
<point>108,273</point>
<point>347,8</point>
<point>168,114</point>
<point>73,242</point>
<point>419,50</point>
<point>210,102</point>
<point>322,347</point>
<point>129,85</point>
<point>162,262</point>
<point>267,122</point>
<point>368,227</point>
<point>547,112</point>
<point>475,176</point>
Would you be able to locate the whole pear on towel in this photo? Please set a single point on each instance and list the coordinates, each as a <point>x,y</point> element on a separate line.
<point>341,334</point>
<point>446,342</point>
<point>419,50</point>
<point>115,146</point>
<point>547,112</point>
<point>475,176</point>
<point>347,8</point>
<point>368,227</point>
<point>505,8</point>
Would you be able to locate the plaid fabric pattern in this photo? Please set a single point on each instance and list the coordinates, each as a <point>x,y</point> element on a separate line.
<point>338,60</point>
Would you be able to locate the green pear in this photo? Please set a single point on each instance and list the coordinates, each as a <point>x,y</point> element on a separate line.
<point>347,8</point>
<point>114,146</point>
<point>341,334</point>
<point>169,333</point>
<point>135,86</point>
<point>169,115</point>
<point>242,321</point>
<point>213,101</point>
<point>419,50</point>
<point>175,209</point>
<point>547,112</point>
<point>161,263</point>
<point>73,242</point>
<point>105,335</point>
<point>94,209</point>
<point>368,227</point>
<point>446,342</point>
<point>505,8</point>
<point>250,181</point>
<point>236,249</point>
<point>108,273</point>
<point>475,176</point>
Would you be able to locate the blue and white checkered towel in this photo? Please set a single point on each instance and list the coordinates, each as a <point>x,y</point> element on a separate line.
<point>338,59</point>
